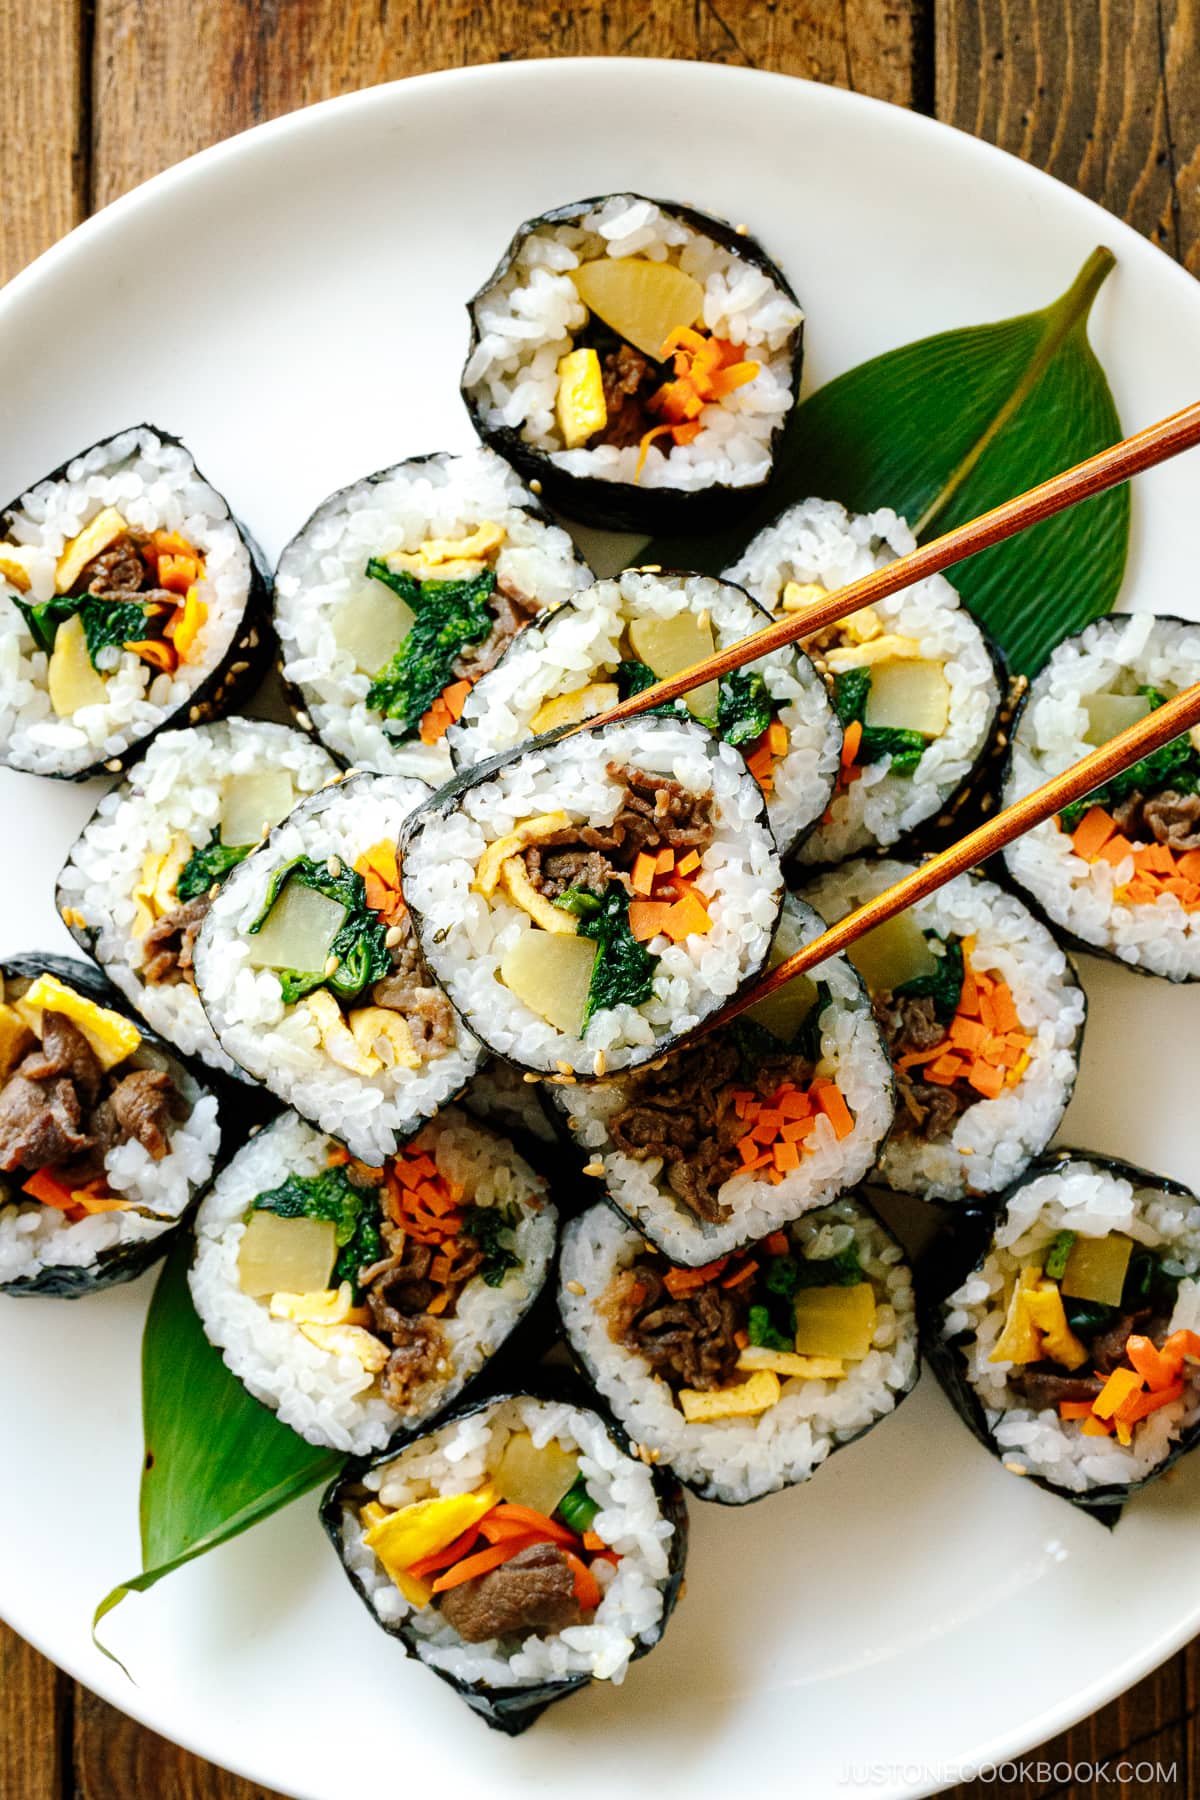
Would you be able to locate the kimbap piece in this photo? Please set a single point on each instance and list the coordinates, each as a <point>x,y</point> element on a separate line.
<point>587,902</point>
<point>914,682</point>
<point>983,1016</point>
<point>402,590</point>
<point>312,980</point>
<point>762,1120</point>
<point>745,1375</point>
<point>129,599</point>
<point>359,1301</point>
<point>619,637</point>
<point>1072,1348</point>
<point>140,877</point>
<point>638,359</point>
<point>519,1550</point>
<point>105,1137</point>
<point>1120,870</point>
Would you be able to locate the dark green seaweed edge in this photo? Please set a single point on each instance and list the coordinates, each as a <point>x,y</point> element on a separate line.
<point>239,671</point>
<point>623,505</point>
<point>513,1709</point>
<point>121,1262</point>
<point>966,1252</point>
<point>449,795</point>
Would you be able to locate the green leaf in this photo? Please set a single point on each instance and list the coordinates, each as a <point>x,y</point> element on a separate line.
<point>216,1461</point>
<point>624,970</point>
<point>208,867</point>
<point>111,624</point>
<point>944,986</point>
<point>353,1210</point>
<point>44,617</point>
<point>449,616</point>
<point>361,942</point>
<point>745,708</point>
<point>943,429</point>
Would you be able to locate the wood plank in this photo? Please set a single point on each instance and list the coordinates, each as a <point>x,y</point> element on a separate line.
<point>34,1711</point>
<point>116,1759</point>
<point>171,79</point>
<point>43,175</point>
<point>1102,93</point>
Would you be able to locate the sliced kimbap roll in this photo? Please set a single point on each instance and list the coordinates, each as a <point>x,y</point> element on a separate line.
<point>105,1137</point>
<point>129,599</point>
<point>519,1550</point>
<point>140,877</point>
<point>914,682</point>
<point>401,591</point>
<point>637,358</point>
<point>621,636</point>
<point>587,902</point>
<point>1072,1348</point>
<point>983,1017</point>
<point>1120,870</point>
<point>359,1301</point>
<point>745,1375</point>
<point>731,1137</point>
<point>312,979</point>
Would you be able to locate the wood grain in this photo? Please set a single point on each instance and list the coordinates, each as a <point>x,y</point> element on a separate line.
<point>43,125</point>
<point>1105,94</point>
<point>116,1759</point>
<point>35,1705</point>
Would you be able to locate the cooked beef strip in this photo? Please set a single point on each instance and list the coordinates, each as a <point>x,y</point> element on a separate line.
<point>908,1022</point>
<point>510,609</point>
<point>1043,1388</point>
<point>65,1051</point>
<point>533,1591</point>
<point>690,1342</point>
<point>40,1123</point>
<point>552,872</point>
<point>103,1133</point>
<point>629,379</point>
<point>144,1102</point>
<point>120,573</point>
<point>1107,1348</point>
<point>927,1110</point>
<point>683,1111</point>
<point>654,814</point>
<point>409,991</point>
<point>419,1356</point>
<point>1174,819</point>
<point>168,946</point>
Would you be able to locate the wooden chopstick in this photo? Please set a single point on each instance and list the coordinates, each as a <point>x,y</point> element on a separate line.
<point>1157,443</point>
<point>1169,721</point>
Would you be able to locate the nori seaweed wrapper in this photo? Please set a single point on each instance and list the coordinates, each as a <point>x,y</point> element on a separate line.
<point>230,684</point>
<point>513,1709</point>
<point>962,1250</point>
<point>624,505</point>
<point>120,1262</point>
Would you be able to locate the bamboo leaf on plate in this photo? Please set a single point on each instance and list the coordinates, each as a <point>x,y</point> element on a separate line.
<point>216,1460</point>
<point>947,427</point>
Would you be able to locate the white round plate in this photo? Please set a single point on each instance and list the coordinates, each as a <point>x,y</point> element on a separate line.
<point>291,303</point>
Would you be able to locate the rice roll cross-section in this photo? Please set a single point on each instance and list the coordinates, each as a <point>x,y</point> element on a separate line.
<point>400,591</point>
<point>1120,870</point>
<point>621,636</point>
<point>745,1375</point>
<point>638,359</point>
<point>105,1138</point>
<point>312,979</point>
<point>141,876</point>
<point>129,599</point>
<point>587,902</point>
<point>983,1017</point>
<point>519,1550</point>
<point>358,1301</point>
<point>1072,1348</point>
<point>914,682</point>
<point>731,1137</point>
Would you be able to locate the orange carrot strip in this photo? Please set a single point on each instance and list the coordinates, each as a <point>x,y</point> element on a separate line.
<point>833,1104</point>
<point>441,1559</point>
<point>1007,1016</point>
<point>482,1562</point>
<point>985,1079</point>
<point>1140,1406</point>
<point>664,862</point>
<point>1115,850</point>
<point>587,1588</point>
<point>593,1541</point>
<point>1074,1409</point>
<point>852,741</point>
<point>1094,1427</point>
<point>1155,1370</point>
<point>778,1244</point>
<point>967,1034</point>
<point>687,865</point>
<point>511,1514</point>
<point>647,918</point>
<point>43,1185</point>
<point>796,1130</point>
<point>644,870</point>
<point>1092,833</point>
<point>739,1275</point>
<point>787,1157</point>
<point>1121,1384</point>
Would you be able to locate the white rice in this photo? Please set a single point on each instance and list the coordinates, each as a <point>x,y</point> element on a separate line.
<point>36,1238</point>
<point>456,1460</point>
<point>280,1045</point>
<point>1117,654</point>
<point>155,486</point>
<point>176,789</point>
<point>852,1054</point>
<point>325,566</point>
<point>736,1460</point>
<point>992,1141</point>
<point>527,321</point>
<point>819,543</point>
<point>331,1399</point>
<point>581,643</point>
<point>464,935</point>
<point>1092,1200</point>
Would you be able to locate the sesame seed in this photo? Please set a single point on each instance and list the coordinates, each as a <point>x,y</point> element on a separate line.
<point>564,1068</point>
<point>239,668</point>
<point>214,890</point>
<point>705,619</point>
<point>1016,1468</point>
<point>251,640</point>
<point>530,1076</point>
<point>599,1063</point>
<point>331,966</point>
<point>593,1168</point>
<point>303,721</point>
<point>350,772</point>
<point>334,865</point>
<point>392,936</point>
<point>194,714</point>
<point>535,486</point>
<point>742,230</point>
<point>650,569</point>
<point>113,765</point>
<point>575,1287</point>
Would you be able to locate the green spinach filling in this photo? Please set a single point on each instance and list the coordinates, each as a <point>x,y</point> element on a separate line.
<point>354,1212</point>
<point>360,946</point>
<point>1176,766</point>
<point>851,690</point>
<point>772,1320</point>
<point>208,867</point>
<point>450,615</point>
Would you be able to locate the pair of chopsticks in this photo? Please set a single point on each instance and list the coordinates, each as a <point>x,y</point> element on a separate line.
<point>1156,444</point>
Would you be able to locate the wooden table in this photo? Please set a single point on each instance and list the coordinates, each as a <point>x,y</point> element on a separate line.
<point>103,93</point>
